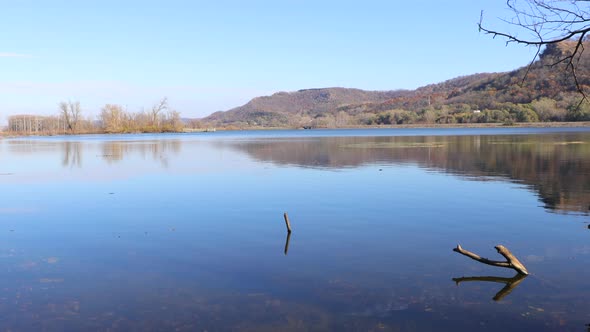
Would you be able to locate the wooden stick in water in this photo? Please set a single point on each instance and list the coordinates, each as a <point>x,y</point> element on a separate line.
<point>511,261</point>
<point>287,222</point>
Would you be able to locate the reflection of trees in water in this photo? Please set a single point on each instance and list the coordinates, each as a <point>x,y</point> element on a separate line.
<point>157,150</point>
<point>72,154</point>
<point>30,146</point>
<point>556,166</point>
<point>71,151</point>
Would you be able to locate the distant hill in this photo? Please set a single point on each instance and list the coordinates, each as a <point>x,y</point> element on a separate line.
<point>545,91</point>
<point>276,110</point>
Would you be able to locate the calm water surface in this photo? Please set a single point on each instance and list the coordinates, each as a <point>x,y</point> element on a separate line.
<point>186,232</point>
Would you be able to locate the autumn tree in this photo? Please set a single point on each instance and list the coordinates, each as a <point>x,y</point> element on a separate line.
<point>173,121</point>
<point>547,110</point>
<point>112,117</point>
<point>342,119</point>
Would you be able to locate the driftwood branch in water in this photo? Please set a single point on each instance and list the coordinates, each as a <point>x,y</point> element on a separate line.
<point>511,261</point>
<point>287,222</point>
<point>511,283</point>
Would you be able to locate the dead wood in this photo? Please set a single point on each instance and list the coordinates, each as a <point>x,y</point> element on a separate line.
<point>287,222</point>
<point>511,261</point>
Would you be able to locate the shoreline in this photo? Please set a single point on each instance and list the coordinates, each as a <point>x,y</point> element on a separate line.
<point>581,124</point>
<point>496,125</point>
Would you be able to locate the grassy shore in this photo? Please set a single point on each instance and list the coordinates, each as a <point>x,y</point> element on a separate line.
<point>435,125</point>
<point>5,134</point>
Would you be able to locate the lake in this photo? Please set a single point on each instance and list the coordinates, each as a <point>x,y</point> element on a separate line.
<point>185,232</point>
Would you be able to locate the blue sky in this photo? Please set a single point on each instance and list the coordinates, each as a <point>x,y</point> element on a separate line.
<point>207,56</point>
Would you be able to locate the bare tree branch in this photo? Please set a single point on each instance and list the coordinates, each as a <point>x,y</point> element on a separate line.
<point>511,261</point>
<point>155,111</point>
<point>547,22</point>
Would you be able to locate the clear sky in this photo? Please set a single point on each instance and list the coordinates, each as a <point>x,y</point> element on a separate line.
<point>207,56</point>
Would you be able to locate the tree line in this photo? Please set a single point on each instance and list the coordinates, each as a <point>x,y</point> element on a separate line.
<point>565,108</point>
<point>540,110</point>
<point>113,118</point>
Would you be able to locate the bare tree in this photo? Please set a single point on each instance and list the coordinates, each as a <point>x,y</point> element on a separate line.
<point>173,121</point>
<point>195,123</point>
<point>541,23</point>
<point>156,111</point>
<point>71,113</point>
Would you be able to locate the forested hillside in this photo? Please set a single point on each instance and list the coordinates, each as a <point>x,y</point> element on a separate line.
<point>545,91</point>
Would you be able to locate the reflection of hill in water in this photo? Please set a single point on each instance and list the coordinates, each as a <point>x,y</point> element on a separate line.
<point>556,166</point>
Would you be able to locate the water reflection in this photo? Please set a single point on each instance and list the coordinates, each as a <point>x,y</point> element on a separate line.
<point>71,154</point>
<point>287,240</point>
<point>555,166</point>
<point>511,283</point>
<point>157,150</point>
<point>110,151</point>
<point>188,248</point>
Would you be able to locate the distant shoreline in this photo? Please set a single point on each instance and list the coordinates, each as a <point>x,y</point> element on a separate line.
<point>488,125</point>
<point>581,124</point>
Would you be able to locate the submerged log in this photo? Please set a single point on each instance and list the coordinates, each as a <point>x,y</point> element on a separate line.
<point>511,261</point>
